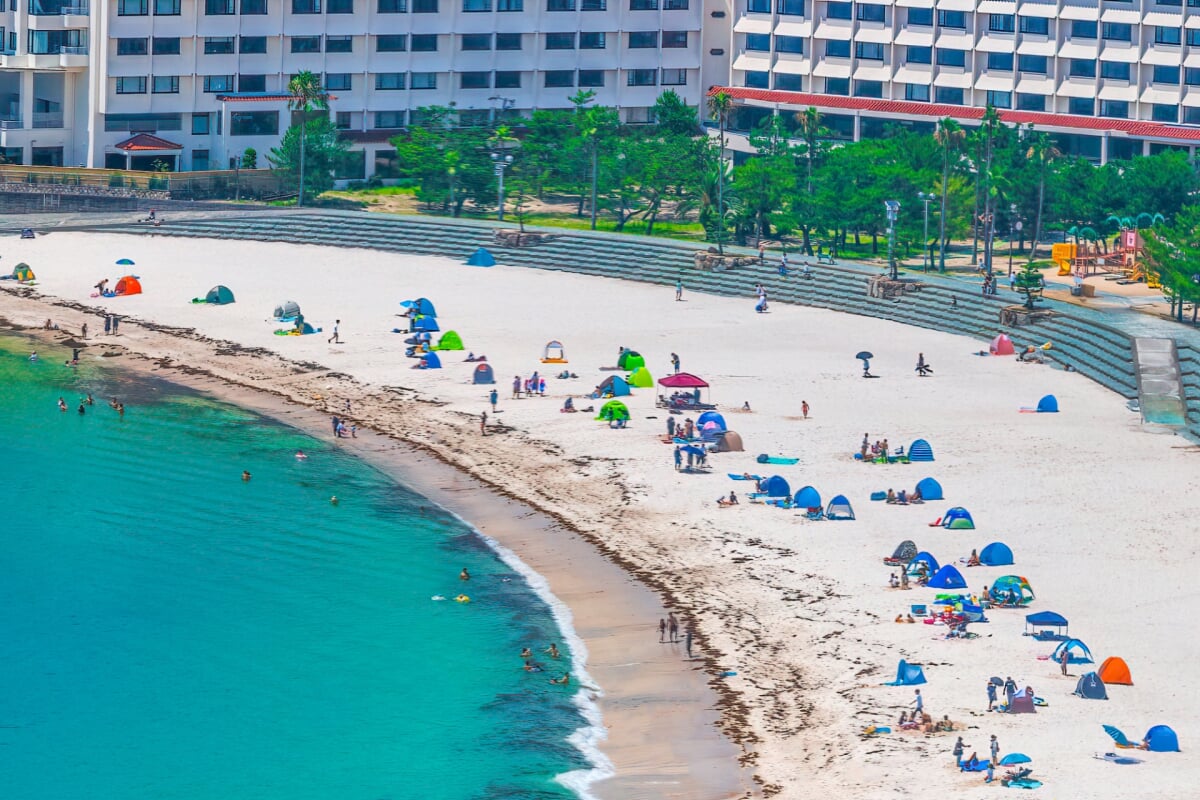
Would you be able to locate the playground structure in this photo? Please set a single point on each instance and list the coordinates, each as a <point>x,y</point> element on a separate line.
<point>1125,263</point>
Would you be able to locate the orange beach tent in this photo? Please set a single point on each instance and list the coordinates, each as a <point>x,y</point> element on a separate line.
<point>1115,670</point>
<point>128,285</point>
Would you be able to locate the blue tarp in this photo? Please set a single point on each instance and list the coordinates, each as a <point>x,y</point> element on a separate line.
<point>948,577</point>
<point>907,675</point>
<point>1090,687</point>
<point>930,562</point>
<point>1161,739</point>
<point>481,258</point>
<point>808,497</point>
<point>776,486</point>
<point>1079,652</point>
<point>1048,405</point>
<point>920,451</point>
<point>420,307</point>
<point>839,508</point>
<point>996,554</point>
<point>1046,619</point>
<point>711,416</point>
<point>930,489</point>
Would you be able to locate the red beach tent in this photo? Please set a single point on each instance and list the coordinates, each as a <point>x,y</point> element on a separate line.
<point>683,380</point>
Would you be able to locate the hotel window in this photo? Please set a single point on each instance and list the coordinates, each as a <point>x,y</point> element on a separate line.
<point>165,84</point>
<point>131,85</point>
<point>131,47</point>
<point>870,12</point>
<point>306,44</point>
<point>201,124</point>
<point>218,83</point>
<point>424,6</point>
<point>508,41</point>
<point>839,11</point>
<point>868,89</point>
<point>1117,32</point>
<point>593,5</point>
<point>1081,106</point>
<point>251,45</point>
<point>254,8</point>
<point>423,80</point>
<point>591,40</point>
<point>252,83</point>
<point>789,8</point>
<point>1191,76</point>
<point>952,19</point>
<point>1031,102</point>
<point>1000,62</point>
<point>758,6</point>
<point>339,44</point>
<point>218,8</point>
<point>789,44</point>
<point>591,77</point>
<point>166,8</point>
<point>423,43</point>
<point>643,77</point>
<point>339,6</point>
<point>915,54</point>
<point>475,80</point>
<point>1193,37</point>
<point>643,5</point>
<point>558,78</point>
<point>673,77</point>
<point>1035,65</point>
<point>560,5</point>
<point>918,92</point>
<point>389,6</point>
<point>1004,23</point>
<point>950,96</point>
<point>510,5</point>
<point>389,81</point>
<point>674,39</point>
<point>999,99</point>
<point>476,6</point>
<point>1082,68</point>
<point>1161,112</point>
<point>1164,74</point>
<point>1035,25</point>
<point>165,46</point>
<point>254,123</point>
<point>389,119</point>
<point>837,48</point>
<point>870,51</point>
<point>338,81</point>
<point>1114,70</point>
<point>1117,109</point>
<point>758,79</point>
<point>1083,29</point>
<point>785,82</point>
<point>508,79</point>
<point>468,41</point>
<point>306,6</point>
<point>921,17</point>
<point>218,45</point>
<point>199,160</point>
<point>838,86</point>
<point>1166,35</point>
<point>397,42</point>
<point>951,58</point>
<point>131,8</point>
<point>755,42</point>
<point>673,5</point>
<point>560,41</point>
<point>1191,116</point>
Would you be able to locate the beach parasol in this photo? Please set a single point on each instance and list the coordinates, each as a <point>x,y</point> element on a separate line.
<point>1015,758</point>
<point>863,354</point>
<point>996,681</point>
<point>693,450</point>
<point>125,262</point>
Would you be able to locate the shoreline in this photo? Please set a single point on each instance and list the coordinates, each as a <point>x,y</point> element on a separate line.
<point>606,608</point>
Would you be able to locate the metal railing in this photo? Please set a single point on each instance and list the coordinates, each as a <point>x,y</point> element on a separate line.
<point>47,119</point>
<point>10,124</point>
<point>74,51</point>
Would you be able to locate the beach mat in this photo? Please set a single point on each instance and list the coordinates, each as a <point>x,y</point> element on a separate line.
<point>777,460</point>
<point>1118,759</point>
<point>733,477</point>
<point>1024,783</point>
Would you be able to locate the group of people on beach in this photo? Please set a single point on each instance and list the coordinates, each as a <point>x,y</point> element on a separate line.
<point>904,498</point>
<point>668,632</point>
<point>534,384</point>
<point>877,449</point>
<point>88,401</point>
<point>341,430</point>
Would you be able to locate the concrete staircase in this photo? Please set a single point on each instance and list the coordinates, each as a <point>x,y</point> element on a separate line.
<point>1084,340</point>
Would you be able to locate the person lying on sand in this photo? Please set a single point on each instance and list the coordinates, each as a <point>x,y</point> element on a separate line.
<point>902,498</point>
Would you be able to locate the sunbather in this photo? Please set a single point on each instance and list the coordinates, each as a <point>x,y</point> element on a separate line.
<point>902,498</point>
<point>568,406</point>
<point>973,559</point>
<point>891,497</point>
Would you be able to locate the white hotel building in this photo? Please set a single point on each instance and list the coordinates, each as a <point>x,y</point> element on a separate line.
<point>1108,78</point>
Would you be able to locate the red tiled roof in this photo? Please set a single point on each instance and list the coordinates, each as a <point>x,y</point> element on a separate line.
<point>1130,127</point>
<point>146,141</point>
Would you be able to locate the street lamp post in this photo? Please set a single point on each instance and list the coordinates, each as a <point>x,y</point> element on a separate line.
<point>1012,217</point>
<point>893,212</point>
<point>501,162</point>
<point>926,198</point>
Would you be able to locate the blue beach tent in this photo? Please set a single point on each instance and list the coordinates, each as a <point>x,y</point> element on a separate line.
<point>431,361</point>
<point>484,374</point>
<point>907,675</point>
<point>1090,687</point>
<point>948,577</point>
<point>930,489</point>
<point>839,508</point>
<point>481,258</point>
<point>711,416</point>
<point>1079,653</point>
<point>1047,619</point>
<point>1161,739</point>
<point>421,307</point>
<point>776,486</point>
<point>920,451</point>
<point>958,518</point>
<point>996,554</point>
<point>931,563</point>
<point>1048,405</point>
<point>808,497</point>
<point>424,325</point>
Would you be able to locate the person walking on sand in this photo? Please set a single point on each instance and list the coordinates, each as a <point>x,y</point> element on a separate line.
<point>918,701</point>
<point>335,422</point>
<point>991,695</point>
<point>483,424</point>
<point>804,408</point>
<point>994,747</point>
<point>1064,658</point>
<point>107,324</point>
<point>494,396</point>
<point>675,362</point>
<point>923,369</point>
<point>687,639</point>
<point>673,626</point>
<point>958,751</point>
<point>678,459</point>
<point>516,386</point>
<point>116,324</point>
<point>334,339</point>
<point>83,331</point>
<point>678,289</point>
<point>662,630</point>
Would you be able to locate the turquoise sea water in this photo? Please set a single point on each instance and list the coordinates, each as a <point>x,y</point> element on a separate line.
<point>170,631</point>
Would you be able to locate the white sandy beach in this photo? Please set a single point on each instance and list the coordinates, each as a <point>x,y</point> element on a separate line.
<point>1099,512</point>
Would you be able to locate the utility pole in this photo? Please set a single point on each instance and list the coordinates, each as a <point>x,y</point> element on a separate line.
<point>926,198</point>
<point>501,163</point>
<point>893,213</point>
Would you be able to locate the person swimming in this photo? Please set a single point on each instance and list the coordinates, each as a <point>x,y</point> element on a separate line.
<point>245,474</point>
<point>33,356</point>
<point>89,400</point>
<point>553,650</point>
<point>530,666</point>
<point>464,575</point>
<point>526,653</point>
<point>300,456</point>
<point>333,500</point>
<point>62,404</point>
<point>565,680</point>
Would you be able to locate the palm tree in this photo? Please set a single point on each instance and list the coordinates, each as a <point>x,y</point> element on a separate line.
<point>306,94</point>
<point>950,137</point>
<point>1041,152</point>
<point>991,124</point>
<point>808,125</point>
<point>719,106</point>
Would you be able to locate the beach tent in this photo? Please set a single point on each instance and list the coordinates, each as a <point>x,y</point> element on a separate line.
<point>430,361</point>
<point>554,353</point>
<point>776,486</point>
<point>630,360</point>
<point>483,374</point>
<point>729,442</point>
<point>1161,739</point>
<point>423,324</point>
<point>481,258</point>
<point>1012,584</point>
<point>839,508</point>
<point>996,554</point>
<point>807,497</point>
<point>1022,703</point>
<point>930,489</point>
<point>958,518</point>
<point>906,551</point>
<point>1047,619</point>
<point>683,380</point>
<point>21,272</point>
<point>948,577</point>
<point>127,286</point>
<point>931,563</point>
<point>641,378</point>
<point>1001,346</point>
<point>288,309</point>
<point>711,416</point>
<point>1114,670</point>
<point>450,340</point>
<point>907,675</point>
<point>613,385</point>
<point>613,410</point>
<point>920,451</point>
<point>1077,650</point>
<point>219,296</point>
<point>1048,405</point>
<point>1090,687</point>
<point>421,307</point>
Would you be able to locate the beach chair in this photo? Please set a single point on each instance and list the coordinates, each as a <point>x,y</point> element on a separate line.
<point>814,514</point>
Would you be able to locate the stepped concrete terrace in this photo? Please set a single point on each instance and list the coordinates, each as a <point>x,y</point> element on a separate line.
<point>1095,343</point>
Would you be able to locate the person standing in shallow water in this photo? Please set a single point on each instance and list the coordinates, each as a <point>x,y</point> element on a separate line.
<point>673,626</point>
<point>662,630</point>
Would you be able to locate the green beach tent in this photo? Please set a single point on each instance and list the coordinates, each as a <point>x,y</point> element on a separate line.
<point>219,295</point>
<point>450,341</point>
<point>613,410</point>
<point>630,360</point>
<point>641,378</point>
<point>22,272</point>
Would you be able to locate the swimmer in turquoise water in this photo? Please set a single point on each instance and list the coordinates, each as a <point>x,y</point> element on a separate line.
<point>532,667</point>
<point>565,680</point>
<point>464,575</point>
<point>553,650</point>
<point>526,653</point>
<point>62,404</point>
<point>245,474</point>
